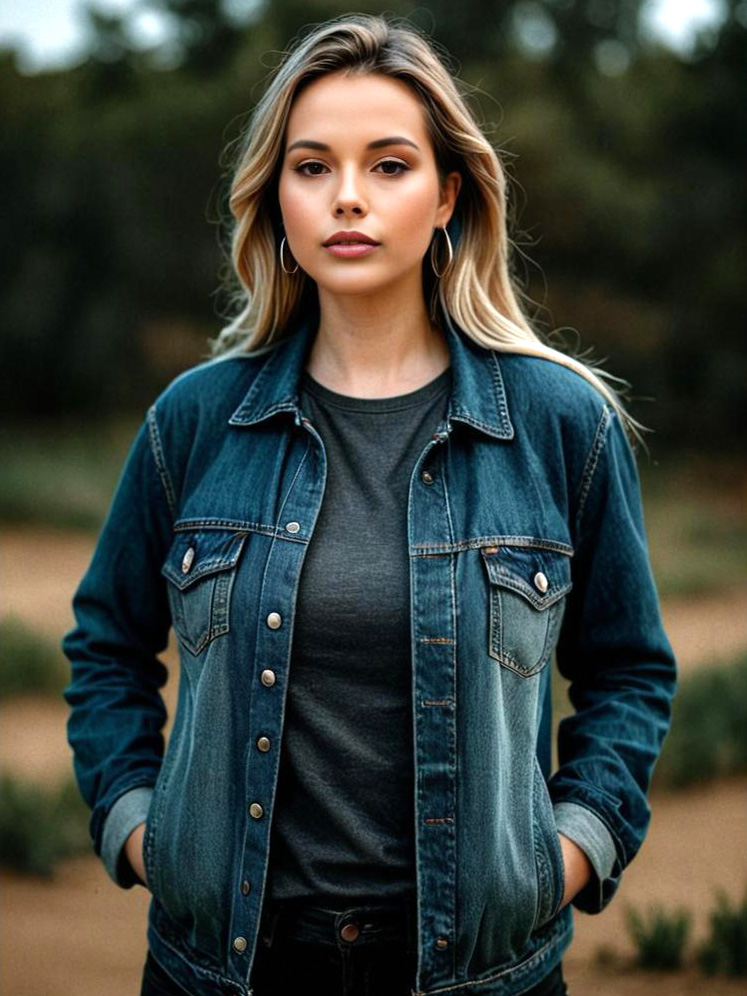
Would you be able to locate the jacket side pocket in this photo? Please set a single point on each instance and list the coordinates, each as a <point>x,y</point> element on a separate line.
<point>547,852</point>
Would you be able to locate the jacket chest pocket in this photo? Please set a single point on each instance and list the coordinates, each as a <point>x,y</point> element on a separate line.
<point>527,589</point>
<point>200,568</point>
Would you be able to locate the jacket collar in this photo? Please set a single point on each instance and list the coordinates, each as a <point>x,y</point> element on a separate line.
<point>478,397</point>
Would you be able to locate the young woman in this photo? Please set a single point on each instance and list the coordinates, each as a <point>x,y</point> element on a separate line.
<point>372,519</point>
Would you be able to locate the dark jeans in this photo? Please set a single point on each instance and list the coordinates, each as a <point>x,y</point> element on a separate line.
<point>360,951</point>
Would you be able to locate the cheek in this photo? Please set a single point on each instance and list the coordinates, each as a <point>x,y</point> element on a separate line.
<point>295,207</point>
<point>412,225</point>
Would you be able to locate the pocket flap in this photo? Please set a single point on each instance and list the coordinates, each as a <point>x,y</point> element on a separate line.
<point>541,576</point>
<point>197,553</point>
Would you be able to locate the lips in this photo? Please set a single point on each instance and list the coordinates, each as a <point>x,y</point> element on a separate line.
<point>351,237</point>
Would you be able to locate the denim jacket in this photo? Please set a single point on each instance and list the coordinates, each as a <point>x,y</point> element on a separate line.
<point>525,541</point>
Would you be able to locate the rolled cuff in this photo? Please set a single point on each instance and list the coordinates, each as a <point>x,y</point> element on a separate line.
<point>588,831</point>
<point>128,811</point>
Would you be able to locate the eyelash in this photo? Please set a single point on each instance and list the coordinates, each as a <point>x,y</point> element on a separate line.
<point>312,162</point>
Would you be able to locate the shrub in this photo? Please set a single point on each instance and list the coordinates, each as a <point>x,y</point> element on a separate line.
<point>29,663</point>
<point>725,950</point>
<point>660,938</point>
<point>708,736</point>
<point>39,827</point>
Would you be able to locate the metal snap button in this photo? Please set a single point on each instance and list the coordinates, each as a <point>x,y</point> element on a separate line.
<point>239,944</point>
<point>274,620</point>
<point>263,744</point>
<point>245,888</point>
<point>426,477</point>
<point>292,527</point>
<point>268,677</point>
<point>540,582</point>
<point>256,810</point>
<point>188,559</point>
<point>349,932</point>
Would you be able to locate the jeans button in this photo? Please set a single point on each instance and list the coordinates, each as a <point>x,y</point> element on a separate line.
<point>349,932</point>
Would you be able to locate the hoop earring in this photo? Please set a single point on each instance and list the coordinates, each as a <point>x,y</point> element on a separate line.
<point>451,253</point>
<point>281,258</point>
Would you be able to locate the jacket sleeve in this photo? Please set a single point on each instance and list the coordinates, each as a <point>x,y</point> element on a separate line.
<point>616,655</point>
<point>122,623</point>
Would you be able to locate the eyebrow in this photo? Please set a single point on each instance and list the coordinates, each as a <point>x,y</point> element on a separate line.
<point>379,143</point>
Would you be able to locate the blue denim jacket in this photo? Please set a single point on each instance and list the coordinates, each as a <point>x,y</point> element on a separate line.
<point>525,540</point>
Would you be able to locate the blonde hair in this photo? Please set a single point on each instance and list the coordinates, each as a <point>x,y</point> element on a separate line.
<point>476,290</point>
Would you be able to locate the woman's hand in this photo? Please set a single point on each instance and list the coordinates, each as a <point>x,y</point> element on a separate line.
<point>134,852</point>
<point>578,869</point>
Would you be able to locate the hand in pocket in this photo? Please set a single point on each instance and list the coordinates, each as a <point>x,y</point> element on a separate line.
<point>134,853</point>
<point>578,868</point>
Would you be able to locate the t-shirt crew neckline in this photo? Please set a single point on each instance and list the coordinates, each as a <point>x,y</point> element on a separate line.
<point>395,403</point>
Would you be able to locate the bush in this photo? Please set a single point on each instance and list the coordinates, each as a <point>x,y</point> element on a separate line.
<point>708,737</point>
<point>29,663</point>
<point>725,950</point>
<point>660,939</point>
<point>39,827</point>
<point>62,475</point>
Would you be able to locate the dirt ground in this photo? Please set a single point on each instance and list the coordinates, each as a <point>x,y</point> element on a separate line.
<point>79,935</point>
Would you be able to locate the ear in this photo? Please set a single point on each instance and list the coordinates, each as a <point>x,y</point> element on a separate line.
<point>448,197</point>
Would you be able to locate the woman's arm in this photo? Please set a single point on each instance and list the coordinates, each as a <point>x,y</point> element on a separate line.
<point>615,653</point>
<point>121,609</point>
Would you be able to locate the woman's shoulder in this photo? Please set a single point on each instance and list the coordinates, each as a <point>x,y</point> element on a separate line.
<point>542,389</point>
<point>211,389</point>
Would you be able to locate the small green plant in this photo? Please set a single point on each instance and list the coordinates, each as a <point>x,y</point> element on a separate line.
<point>606,957</point>
<point>659,938</point>
<point>39,827</point>
<point>29,663</point>
<point>724,952</point>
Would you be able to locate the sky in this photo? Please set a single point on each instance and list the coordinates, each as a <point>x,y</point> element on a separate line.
<point>49,34</point>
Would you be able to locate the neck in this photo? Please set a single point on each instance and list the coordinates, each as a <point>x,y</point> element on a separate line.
<point>370,351</point>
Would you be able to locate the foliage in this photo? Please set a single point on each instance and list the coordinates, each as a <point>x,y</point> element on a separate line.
<point>628,192</point>
<point>660,937</point>
<point>708,735</point>
<point>725,950</point>
<point>39,827</point>
<point>29,662</point>
<point>62,474</point>
<point>696,525</point>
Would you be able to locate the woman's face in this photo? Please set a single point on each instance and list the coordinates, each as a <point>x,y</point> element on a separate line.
<point>389,192</point>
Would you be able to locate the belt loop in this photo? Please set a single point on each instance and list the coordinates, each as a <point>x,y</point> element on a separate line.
<point>411,923</point>
<point>268,924</point>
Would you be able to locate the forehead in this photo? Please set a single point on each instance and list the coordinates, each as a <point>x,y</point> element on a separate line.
<point>340,108</point>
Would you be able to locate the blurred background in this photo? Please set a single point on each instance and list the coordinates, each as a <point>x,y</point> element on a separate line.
<point>624,129</point>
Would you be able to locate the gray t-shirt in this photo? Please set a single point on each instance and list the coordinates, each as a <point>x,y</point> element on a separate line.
<point>343,824</point>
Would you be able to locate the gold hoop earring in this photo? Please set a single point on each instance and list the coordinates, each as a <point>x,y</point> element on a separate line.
<point>451,253</point>
<point>281,258</point>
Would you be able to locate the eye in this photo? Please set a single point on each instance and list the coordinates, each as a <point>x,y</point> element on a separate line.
<point>393,162</point>
<point>300,169</point>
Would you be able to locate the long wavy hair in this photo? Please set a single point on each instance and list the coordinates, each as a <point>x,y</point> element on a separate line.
<point>476,289</point>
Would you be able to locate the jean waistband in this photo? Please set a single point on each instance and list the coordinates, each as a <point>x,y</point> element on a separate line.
<point>385,922</point>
